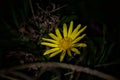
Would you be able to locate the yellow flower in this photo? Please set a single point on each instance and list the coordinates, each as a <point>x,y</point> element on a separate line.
<point>65,44</point>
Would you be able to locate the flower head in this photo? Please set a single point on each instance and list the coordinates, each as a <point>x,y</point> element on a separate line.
<point>65,43</point>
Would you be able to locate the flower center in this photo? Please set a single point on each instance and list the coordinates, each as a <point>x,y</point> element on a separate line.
<point>65,44</point>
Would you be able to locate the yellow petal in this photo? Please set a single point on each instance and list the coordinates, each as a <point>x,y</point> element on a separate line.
<point>78,39</point>
<point>58,33</point>
<point>50,51</point>
<point>53,36</point>
<point>81,45</point>
<point>64,30</point>
<point>55,53</point>
<point>70,29</point>
<point>78,33</point>
<point>69,52</point>
<point>75,30</point>
<point>50,40</point>
<point>49,44</point>
<point>75,50</point>
<point>62,56</point>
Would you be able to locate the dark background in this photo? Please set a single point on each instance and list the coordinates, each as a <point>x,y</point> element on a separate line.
<point>99,12</point>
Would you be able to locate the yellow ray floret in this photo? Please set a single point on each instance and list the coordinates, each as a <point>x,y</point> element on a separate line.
<point>53,36</point>
<point>49,44</point>
<point>50,40</point>
<point>55,53</point>
<point>70,28</point>
<point>75,50</point>
<point>64,30</point>
<point>58,33</point>
<point>78,39</point>
<point>69,52</point>
<point>75,31</point>
<point>80,31</point>
<point>50,51</point>
<point>62,56</point>
<point>80,45</point>
<point>68,43</point>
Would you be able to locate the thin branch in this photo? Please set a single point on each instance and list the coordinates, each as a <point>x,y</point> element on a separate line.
<point>57,9</point>
<point>107,64</point>
<point>30,2</point>
<point>69,73</point>
<point>66,74</point>
<point>65,66</point>
<point>40,8</point>
<point>23,76</point>
<point>7,77</point>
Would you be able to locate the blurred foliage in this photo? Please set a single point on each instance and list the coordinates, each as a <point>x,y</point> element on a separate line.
<point>24,23</point>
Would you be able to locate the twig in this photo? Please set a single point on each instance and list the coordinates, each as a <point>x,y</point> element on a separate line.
<point>66,66</point>
<point>72,75</point>
<point>30,2</point>
<point>51,10</point>
<point>68,73</point>
<point>23,76</point>
<point>40,8</point>
<point>7,77</point>
<point>57,8</point>
<point>107,64</point>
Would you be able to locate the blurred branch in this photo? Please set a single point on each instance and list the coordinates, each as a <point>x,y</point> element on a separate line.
<point>40,8</point>
<point>24,76</point>
<point>107,64</point>
<point>53,10</point>
<point>66,74</point>
<point>58,8</point>
<point>30,2</point>
<point>65,66</point>
<point>7,77</point>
